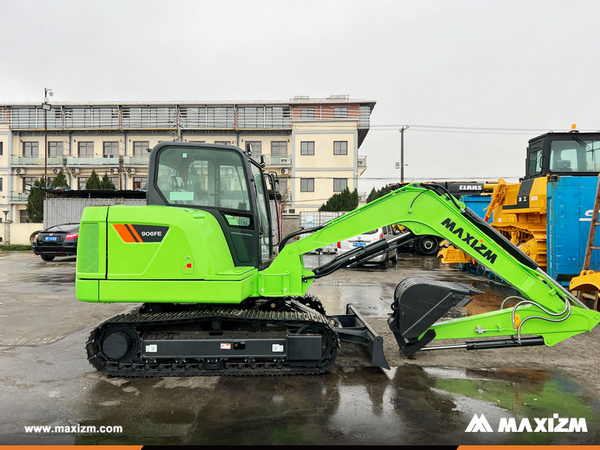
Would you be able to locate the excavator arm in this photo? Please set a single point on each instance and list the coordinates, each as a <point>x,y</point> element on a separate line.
<point>544,313</point>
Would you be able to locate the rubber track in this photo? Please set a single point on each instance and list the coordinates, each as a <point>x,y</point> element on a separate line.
<point>195,367</point>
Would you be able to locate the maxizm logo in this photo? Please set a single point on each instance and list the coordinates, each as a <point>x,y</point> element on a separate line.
<point>555,424</point>
<point>472,241</point>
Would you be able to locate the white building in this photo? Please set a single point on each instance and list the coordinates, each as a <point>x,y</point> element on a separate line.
<point>312,144</point>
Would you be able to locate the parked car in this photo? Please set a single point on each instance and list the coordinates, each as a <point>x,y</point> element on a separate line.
<point>367,238</point>
<point>59,240</point>
<point>426,245</point>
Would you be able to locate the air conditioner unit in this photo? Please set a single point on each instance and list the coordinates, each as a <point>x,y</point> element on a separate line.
<point>131,170</point>
<point>113,170</point>
<point>285,171</point>
<point>20,171</point>
<point>75,170</point>
<point>55,170</point>
<point>285,160</point>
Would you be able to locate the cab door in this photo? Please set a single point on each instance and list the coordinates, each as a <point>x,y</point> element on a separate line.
<point>264,217</point>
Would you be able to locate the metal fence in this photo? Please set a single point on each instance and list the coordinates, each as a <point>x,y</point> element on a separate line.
<point>311,219</point>
<point>69,210</point>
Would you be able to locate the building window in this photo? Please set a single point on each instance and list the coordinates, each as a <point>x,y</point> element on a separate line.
<point>28,183</point>
<point>307,148</point>
<point>340,147</point>
<point>110,149</point>
<point>339,184</point>
<point>55,149</point>
<point>1,188</point>
<point>308,113</point>
<point>140,183</point>
<point>82,182</point>
<point>23,217</point>
<point>256,147</point>
<point>140,148</point>
<point>223,142</point>
<point>279,148</point>
<point>282,186</point>
<point>86,149</point>
<point>31,149</point>
<point>1,148</point>
<point>340,111</point>
<point>307,185</point>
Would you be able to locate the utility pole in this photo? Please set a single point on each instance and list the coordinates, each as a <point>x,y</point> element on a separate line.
<point>405,127</point>
<point>46,106</point>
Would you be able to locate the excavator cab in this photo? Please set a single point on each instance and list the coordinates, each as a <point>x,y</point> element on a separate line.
<point>228,184</point>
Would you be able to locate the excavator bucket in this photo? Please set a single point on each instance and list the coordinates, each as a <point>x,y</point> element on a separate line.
<point>587,281</point>
<point>418,304</point>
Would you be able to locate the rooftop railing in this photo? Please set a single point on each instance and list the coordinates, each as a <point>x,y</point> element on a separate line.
<point>184,117</point>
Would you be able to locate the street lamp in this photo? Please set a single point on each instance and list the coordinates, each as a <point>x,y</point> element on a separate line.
<point>46,106</point>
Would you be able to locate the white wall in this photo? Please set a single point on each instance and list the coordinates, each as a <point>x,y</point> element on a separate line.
<point>20,233</point>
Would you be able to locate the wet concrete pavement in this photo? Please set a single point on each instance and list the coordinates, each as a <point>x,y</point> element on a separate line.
<point>46,380</point>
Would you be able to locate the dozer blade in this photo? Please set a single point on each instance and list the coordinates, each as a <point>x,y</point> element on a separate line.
<point>352,327</point>
<point>418,304</point>
<point>451,255</point>
<point>587,281</point>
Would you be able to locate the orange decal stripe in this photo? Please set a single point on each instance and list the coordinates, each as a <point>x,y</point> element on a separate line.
<point>135,233</point>
<point>124,232</point>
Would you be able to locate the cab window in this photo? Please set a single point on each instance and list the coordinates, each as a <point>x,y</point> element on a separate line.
<point>575,155</point>
<point>535,159</point>
<point>201,177</point>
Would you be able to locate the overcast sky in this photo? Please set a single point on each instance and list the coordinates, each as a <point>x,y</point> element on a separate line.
<point>501,72</point>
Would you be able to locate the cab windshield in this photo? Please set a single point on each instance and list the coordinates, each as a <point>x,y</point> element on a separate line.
<point>575,155</point>
<point>212,178</point>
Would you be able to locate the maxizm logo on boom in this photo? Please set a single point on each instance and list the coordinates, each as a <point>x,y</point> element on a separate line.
<point>472,241</point>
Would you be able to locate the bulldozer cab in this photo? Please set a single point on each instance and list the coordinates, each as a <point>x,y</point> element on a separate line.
<point>227,183</point>
<point>571,153</point>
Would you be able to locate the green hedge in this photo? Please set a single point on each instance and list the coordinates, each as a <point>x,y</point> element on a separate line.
<point>15,248</point>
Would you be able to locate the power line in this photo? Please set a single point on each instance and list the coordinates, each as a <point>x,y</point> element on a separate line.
<point>463,128</point>
<point>457,129</point>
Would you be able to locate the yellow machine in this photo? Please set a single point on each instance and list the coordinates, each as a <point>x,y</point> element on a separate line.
<point>522,212</point>
<point>519,213</point>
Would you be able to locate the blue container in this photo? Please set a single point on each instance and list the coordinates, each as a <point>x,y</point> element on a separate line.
<point>570,207</point>
<point>477,203</point>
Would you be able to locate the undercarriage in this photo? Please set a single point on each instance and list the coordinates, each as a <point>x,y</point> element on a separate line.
<point>271,337</point>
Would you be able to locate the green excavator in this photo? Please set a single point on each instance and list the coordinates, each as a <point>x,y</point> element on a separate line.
<point>221,292</point>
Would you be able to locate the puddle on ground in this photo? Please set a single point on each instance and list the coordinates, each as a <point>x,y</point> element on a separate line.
<point>406,405</point>
<point>61,278</point>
